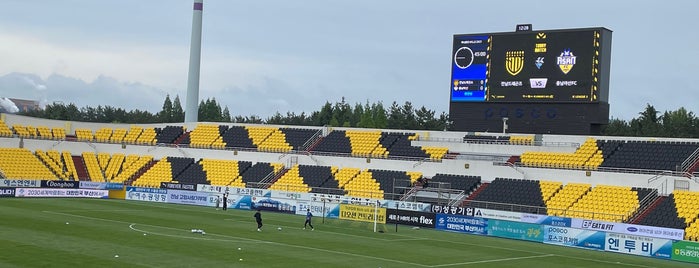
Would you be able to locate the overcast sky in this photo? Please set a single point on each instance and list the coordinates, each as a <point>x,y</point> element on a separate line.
<point>263,56</point>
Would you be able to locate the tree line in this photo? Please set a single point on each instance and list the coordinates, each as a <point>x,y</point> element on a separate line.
<point>338,114</point>
<point>650,122</point>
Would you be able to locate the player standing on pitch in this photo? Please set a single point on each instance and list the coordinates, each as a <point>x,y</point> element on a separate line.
<point>258,219</point>
<point>309,215</point>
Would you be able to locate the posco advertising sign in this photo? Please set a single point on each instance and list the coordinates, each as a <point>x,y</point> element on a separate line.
<point>571,237</point>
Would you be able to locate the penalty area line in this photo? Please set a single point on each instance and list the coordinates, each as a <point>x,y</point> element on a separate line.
<point>493,260</point>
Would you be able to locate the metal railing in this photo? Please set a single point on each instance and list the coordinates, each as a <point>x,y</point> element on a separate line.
<point>688,163</point>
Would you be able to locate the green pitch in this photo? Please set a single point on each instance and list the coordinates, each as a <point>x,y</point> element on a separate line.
<point>117,233</point>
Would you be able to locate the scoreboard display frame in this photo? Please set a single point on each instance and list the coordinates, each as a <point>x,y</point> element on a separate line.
<point>559,66</point>
<point>540,81</point>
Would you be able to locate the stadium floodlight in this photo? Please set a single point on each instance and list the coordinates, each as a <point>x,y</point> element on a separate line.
<point>192,102</point>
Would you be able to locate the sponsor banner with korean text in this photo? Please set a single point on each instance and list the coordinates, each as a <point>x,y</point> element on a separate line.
<point>453,210</point>
<point>274,204</point>
<point>463,224</point>
<point>318,209</point>
<point>403,205</point>
<point>639,245</point>
<point>60,184</point>
<point>326,198</point>
<point>100,185</point>
<point>178,186</point>
<point>189,198</point>
<point>20,183</point>
<point>290,195</point>
<point>685,251</point>
<point>409,217</point>
<point>515,230</point>
<point>249,191</point>
<point>362,213</point>
<point>61,192</point>
<point>114,186</point>
<point>7,192</point>
<point>632,229</point>
<point>572,237</point>
<point>146,194</point>
<point>546,220</point>
<point>212,188</point>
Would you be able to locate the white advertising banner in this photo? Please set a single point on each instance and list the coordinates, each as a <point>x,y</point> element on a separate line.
<point>20,183</point>
<point>146,194</point>
<point>631,229</point>
<point>61,192</point>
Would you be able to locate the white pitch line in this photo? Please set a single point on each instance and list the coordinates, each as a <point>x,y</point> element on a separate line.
<point>261,241</point>
<point>244,240</point>
<point>105,210</point>
<point>493,260</point>
<point>198,210</point>
<point>124,222</point>
<point>351,235</point>
<point>607,262</point>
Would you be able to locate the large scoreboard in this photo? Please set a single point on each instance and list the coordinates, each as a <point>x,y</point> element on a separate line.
<point>541,70</point>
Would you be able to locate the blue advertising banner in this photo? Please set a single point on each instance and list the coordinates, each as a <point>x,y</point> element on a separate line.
<point>189,198</point>
<point>332,211</point>
<point>274,204</point>
<point>515,230</point>
<point>7,192</point>
<point>463,224</point>
<point>639,245</point>
<point>571,237</point>
<point>234,201</point>
<point>146,194</point>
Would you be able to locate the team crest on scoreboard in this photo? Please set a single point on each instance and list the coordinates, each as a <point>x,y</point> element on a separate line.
<point>514,61</point>
<point>566,61</point>
<point>539,62</point>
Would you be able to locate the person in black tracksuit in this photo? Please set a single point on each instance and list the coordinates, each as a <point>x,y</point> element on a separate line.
<point>225,201</point>
<point>258,219</point>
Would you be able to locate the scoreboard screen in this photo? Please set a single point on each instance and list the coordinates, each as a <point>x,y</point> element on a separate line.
<point>554,66</point>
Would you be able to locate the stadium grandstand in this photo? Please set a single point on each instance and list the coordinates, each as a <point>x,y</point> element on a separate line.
<point>646,181</point>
